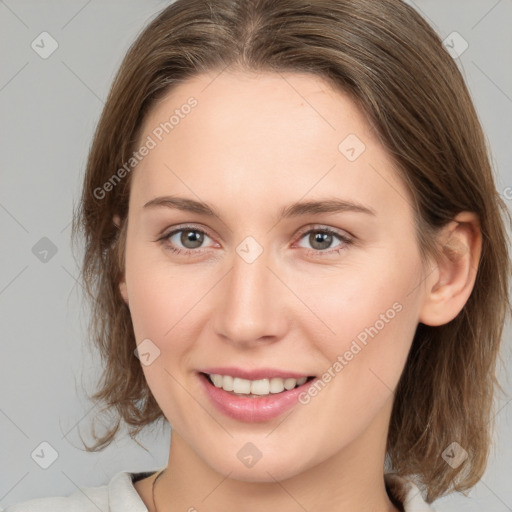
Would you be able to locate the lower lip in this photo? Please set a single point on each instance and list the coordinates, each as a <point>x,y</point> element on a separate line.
<point>252,409</point>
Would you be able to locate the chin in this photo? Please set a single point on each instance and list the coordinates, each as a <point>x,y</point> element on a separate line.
<point>269,468</point>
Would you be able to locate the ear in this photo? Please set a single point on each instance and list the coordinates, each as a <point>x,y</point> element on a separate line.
<point>449,286</point>
<point>122,283</point>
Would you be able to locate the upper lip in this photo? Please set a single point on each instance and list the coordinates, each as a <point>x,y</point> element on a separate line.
<point>254,374</point>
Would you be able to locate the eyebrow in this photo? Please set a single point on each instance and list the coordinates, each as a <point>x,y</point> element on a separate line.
<point>328,205</point>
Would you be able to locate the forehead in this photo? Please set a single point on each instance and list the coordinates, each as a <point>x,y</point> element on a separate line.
<point>268,134</point>
<point>297,105</point>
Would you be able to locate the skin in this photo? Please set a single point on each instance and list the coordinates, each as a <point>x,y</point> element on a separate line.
<point>254,144</point>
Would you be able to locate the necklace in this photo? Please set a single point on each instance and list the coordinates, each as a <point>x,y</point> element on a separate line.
<point>153,488</point>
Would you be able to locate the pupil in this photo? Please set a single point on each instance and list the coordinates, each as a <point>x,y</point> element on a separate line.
<point>194,238</point>
<point>324,239</point>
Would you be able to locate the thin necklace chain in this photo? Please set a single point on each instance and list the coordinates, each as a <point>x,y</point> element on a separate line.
<point>153,488</point>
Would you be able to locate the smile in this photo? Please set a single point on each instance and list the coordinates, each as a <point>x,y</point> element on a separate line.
<point>253,400</point>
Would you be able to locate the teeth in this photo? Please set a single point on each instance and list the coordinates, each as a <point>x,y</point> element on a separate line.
<point>227,382</point>
<point>289,383</point>
<point>276,385</point>
<point>254,387</point>
<point>241,386</point>
<point>217,380</point>
<point>260,387</point>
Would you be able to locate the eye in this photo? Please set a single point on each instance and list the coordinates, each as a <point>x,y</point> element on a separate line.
<point>322,240</point>
<point>185,240</point>
<point>190,240</point>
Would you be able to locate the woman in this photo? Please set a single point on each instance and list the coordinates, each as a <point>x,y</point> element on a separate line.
<point>296,255</point>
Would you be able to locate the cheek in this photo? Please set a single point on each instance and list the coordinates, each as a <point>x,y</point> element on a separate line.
<point>151,302</point>
<point>162,296</point>
<point>164,303</point>
<point>365,319</point>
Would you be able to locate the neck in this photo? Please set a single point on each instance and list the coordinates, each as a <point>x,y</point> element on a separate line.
<point>351,480</point>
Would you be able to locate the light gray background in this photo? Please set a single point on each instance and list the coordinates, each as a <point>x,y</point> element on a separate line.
<point>49,108</point>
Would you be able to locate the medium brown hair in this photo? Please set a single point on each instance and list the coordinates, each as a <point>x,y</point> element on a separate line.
<point>394,66</point>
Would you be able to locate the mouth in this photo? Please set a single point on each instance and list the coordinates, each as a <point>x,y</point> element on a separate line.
<point>253,400</point>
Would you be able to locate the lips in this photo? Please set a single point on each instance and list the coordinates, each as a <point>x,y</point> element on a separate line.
<point>249,407</point>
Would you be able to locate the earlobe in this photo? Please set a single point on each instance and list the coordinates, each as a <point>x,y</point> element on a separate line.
<point>449,287</point>
<point>123,290</point>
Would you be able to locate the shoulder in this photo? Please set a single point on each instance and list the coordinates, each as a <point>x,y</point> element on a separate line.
<point>119,495</point>
<point>406,492</point>
<point>83,500</point>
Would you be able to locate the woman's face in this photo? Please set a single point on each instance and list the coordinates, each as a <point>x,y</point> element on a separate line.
<point>269,237</point>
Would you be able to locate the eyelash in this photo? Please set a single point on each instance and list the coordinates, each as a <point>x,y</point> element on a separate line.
<point>347,241</point>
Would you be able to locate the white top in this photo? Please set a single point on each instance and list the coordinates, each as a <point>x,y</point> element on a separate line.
<point>119,495</point>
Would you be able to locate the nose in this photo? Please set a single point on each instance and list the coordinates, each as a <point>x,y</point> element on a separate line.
<point>250,304</point>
